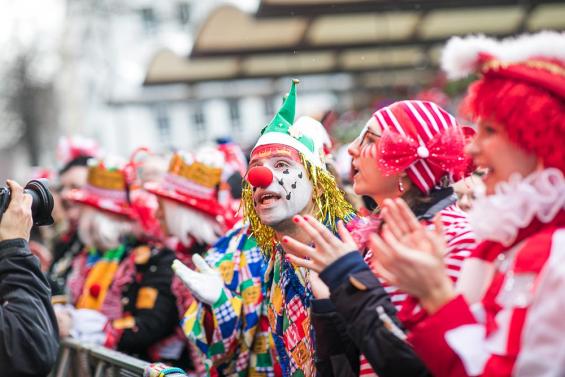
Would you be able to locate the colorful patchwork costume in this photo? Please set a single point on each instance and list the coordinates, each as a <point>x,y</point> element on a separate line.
<point>264,310</point>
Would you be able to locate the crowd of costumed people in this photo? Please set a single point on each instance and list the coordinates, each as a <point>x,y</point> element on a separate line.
<point>274,263</point>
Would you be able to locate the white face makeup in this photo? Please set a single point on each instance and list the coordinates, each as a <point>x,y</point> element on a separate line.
<point>287,195</point>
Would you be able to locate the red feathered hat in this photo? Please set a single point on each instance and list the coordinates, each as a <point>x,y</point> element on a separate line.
<point>521,86</point>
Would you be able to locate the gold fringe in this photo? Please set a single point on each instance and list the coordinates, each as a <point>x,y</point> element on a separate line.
<point>328,198</point>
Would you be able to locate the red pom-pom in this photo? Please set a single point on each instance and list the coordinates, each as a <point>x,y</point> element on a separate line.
<point>260,176</point>
<point>94,290</point>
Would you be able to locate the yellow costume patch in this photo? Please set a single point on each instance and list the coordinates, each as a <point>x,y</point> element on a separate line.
<point>124,323</point>
<point>251,295</point>
<point>300,354</point>
<point>261,343</point>
<point>277,299</point>
<point>236,304</point>
<point>190,317</point>
<point>142,254</point>
<point>226,269</point>
<point>146,298</point>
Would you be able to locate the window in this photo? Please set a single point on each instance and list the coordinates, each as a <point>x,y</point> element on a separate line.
<point>149,20</point>
<point>183,13</point>
<point>235,116</point>
<point>269,106</point>
<point>199,123</point>
<point>163,122</point>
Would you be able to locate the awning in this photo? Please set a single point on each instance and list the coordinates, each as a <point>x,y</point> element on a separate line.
<point>300,37</point>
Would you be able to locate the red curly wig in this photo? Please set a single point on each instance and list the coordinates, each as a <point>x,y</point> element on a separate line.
<point>533,117</point>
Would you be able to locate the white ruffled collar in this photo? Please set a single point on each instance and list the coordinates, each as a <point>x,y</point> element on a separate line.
<point>514,205</point>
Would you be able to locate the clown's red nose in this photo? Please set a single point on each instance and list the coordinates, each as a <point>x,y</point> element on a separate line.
<point>260,176</point>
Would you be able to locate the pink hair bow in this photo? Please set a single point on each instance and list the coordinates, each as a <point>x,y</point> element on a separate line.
<point>445,150</point>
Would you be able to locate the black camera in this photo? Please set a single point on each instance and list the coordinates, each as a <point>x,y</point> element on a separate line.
<point>42,203</point>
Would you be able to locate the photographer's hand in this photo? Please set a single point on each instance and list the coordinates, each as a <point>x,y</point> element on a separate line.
<point>16,220</point>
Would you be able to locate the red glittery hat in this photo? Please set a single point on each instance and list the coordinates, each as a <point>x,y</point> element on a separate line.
<point>521,86</point>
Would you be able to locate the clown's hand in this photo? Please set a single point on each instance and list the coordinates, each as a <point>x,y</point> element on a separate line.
<point>206,285</point>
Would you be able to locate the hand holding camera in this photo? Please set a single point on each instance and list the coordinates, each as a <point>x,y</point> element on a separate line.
<point>21,208</point>
<point>16,220</point>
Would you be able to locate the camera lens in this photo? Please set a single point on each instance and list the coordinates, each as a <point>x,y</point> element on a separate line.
<point>42,204</point>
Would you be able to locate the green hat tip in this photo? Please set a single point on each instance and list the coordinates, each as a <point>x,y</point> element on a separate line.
<point>288,108</point>
<point>284,118</point>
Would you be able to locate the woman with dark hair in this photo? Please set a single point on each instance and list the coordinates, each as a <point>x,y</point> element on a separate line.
<point>413,150</point>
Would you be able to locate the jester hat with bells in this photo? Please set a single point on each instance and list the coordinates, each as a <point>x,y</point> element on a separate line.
<point>282,133</point>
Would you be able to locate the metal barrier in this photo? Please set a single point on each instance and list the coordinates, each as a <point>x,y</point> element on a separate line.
<point>86,360</point>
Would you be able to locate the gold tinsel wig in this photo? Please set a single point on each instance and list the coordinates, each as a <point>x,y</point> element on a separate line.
<point>329,201</point>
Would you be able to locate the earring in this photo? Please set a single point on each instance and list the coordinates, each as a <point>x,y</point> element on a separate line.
<point>400,185</point>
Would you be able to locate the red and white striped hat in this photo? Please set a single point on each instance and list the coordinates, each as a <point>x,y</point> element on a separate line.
<point>421,138</point>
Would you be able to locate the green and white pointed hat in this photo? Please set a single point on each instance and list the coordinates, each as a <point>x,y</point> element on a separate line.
<point>282,130</point>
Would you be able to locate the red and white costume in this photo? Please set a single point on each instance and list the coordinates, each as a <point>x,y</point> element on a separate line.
<point>508,321</point>
<point>485,338</point>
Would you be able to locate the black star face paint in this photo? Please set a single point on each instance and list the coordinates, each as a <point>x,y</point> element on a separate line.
<point>281,200</point>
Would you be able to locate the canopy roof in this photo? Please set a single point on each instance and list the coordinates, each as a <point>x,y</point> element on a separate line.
<point>298,37</point>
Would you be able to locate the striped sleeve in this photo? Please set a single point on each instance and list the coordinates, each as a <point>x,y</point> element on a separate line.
<point>459,239</point>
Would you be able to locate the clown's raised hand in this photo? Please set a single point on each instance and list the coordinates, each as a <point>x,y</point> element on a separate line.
<point>327,247</point>
<point>206,284</point>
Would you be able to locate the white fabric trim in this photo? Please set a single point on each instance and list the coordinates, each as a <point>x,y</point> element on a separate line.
<point>468,342</point>
<point>543,353</point>
<point>284,139</point>
<point>499,217</point>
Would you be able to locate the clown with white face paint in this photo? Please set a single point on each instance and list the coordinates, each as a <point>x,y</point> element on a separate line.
<point>271,301</point>
<point>281,188</point>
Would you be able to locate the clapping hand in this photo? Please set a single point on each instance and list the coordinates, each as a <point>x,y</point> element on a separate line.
<point>410,256</point>
<point>326,249</point>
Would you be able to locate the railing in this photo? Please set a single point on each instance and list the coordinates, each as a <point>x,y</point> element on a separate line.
<point>86,360</point>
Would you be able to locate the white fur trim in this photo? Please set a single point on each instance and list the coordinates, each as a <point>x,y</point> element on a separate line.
<point>459,57</point>
<point>516,203</point>
<point>284,139</point>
